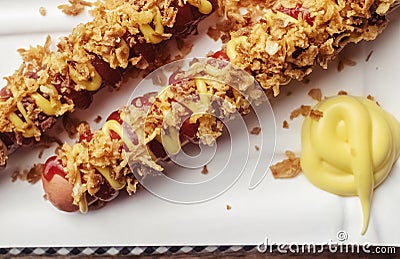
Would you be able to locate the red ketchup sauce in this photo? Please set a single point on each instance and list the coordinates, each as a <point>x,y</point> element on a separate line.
<point>220,54</point>
<point>294,12</point>
<point>52,167</point>
<point>116,116</point>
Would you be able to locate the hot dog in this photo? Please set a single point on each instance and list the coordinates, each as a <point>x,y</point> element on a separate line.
<point>122,34</point>
<point>191,108</point>
<point>288,39</point>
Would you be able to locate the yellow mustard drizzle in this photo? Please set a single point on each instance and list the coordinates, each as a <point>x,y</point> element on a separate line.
<point>49,107</point>
<point>153,36</point>
<point>93,84</point>
<point>199,108</point>
<point>107,174</point>
<point>117,128</point>
<point>83,205</point>
<point>204,6</point>
<point>351,149</point>
<point>171,141</point>
<point>27,128</point>
<point>232,45</point>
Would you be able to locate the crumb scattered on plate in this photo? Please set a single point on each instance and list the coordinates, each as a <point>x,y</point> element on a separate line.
<point>369,56</point>
<point>74,7</point>
<point>257,147</point>
<point>224,27</point>
<point>228,207</point>
<point>302,110</point>
<point>255,131</point>
<point>32,175</point>
<point>98,119</point>
<point>42,11</point>
<point>204,170</point>
<point>342,92</point>
<point>345,62</point>
<point>40,155</point>
<point>285,124</point>
<point>316,94</point>
<point>159,79</point>
<point>370,97</point>
<point>213,33</point>
<point>287,168</point>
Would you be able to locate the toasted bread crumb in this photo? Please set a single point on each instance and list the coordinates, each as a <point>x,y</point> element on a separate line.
<point>42,11</point>
<point>98,119</point>
<point>255,131</point>
<point>257,147</point>
<point>302,110</point>
<point>159,79</point>
<point>74,7</point>
<point>40,155</point>
<point>316,114</point>
<point>214,33</point>
<point>32,175</point>
<point>3,154</point>
<point>285,124</point>
<point>204,170</point>
<point>342,92</point>
<point>369,56</point>
<point>228,207</point>
<point>316,94</point>
<point>370,97</point>
<point>287,168</point>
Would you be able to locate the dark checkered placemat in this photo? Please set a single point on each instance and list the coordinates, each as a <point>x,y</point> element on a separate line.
<point>388,251</point>
<point>131,250</point>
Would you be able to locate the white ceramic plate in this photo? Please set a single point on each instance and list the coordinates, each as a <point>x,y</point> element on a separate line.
<point>281,210</point>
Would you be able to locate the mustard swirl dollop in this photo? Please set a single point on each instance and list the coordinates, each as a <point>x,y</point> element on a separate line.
<point>351,149</point>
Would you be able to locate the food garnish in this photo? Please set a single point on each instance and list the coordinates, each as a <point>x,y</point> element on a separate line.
<point>287,168</point>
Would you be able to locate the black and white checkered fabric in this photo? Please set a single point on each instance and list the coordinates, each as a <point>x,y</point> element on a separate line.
<point>132,250</point>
